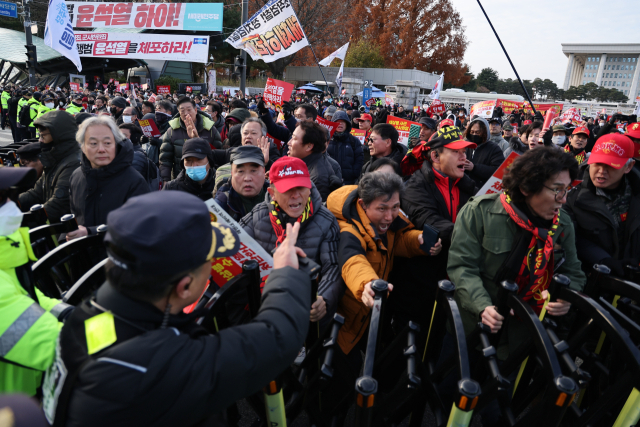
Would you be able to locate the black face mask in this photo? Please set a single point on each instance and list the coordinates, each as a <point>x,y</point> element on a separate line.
<point>477,139</point>
<point>45,147</point>
<point>113,110</point>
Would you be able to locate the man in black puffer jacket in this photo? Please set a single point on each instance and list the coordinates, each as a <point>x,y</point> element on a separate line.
<point>383,142</point>
<point>196,153</point>
<point>106,179</point>
<point>346,149</point>
<point>60,156</point>
<point>292,198</point>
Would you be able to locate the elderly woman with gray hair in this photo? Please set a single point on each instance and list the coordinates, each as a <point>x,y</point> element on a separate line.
<point>106,179</point>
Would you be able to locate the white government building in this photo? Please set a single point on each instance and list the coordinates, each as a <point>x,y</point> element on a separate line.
<point>608,65</point>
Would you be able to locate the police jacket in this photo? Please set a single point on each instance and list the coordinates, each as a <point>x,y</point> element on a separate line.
<point>596,236</point>
<point>178,375</point>
<point>96,192</point>
<point>52,189</point>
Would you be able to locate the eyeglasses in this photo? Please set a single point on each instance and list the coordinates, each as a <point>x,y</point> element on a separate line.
<point>559,194</point>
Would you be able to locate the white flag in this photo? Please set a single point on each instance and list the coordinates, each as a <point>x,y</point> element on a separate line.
<point>340,53</point>
<point>637,110</point>
<point>272,33</point>
<point>58,33</point>
<point>435,92</point>
<point>339,78</point>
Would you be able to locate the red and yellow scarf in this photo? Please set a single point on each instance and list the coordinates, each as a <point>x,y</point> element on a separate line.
<point>580,157</point>
<point>537,276</point>
<point>279,227</point>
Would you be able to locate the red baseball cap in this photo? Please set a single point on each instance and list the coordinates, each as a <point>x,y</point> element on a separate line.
<point>365,116</point>
<point>526,122</point>
<point>446,122</point>
<point>289,172</point>
<point>633,130</point>
<point>581,129</point>
<point>613,150</point>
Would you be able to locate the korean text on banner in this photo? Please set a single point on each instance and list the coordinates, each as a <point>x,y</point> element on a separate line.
<point>277,91</point>
<point>143,46</point>
<point>359,133</point>
<point>572,115</point>
<point>331,126</point>
<point>123,87</point>
<point>403,126</point>
<point>163,89</point>
<point>225,269</point>
<point>494,184</point>
<point>149,128</point>
<point>437,107</point>
<point>148,16</point>
<point>272,33</point>
<point>75,87</point>
<point>483,109</point>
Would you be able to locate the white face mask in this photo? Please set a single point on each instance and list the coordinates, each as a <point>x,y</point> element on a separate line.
<point>601,123</point>
<point>49,105</point>
<point>10,218</point>
<point>126,119</point>
<point>559,139</point>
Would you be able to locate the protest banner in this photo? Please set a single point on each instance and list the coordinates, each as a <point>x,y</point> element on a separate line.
<point>369,102</point>
<point>272,33</point>
<point>149,128</point>
<point>388,100</point>
<point>331,126</point>
<point>225,269</point>
<point>163,89</point>
<point>123,87</point>
<point>494,184</point>
<point>143,46</point>
<point>360,134</point>
<point>571,115</point>
<point>152,98</point>
<point>149,16</point>
<point>302,91</point>
<point>75,87</point>
<point>542,107</point>
<point>416,109</point>
<point>188,89</point>
<point>403,126</point>
<point>437,107</point>
<point>276,141</point>
<point>483,109</point>
<point>277,92</point>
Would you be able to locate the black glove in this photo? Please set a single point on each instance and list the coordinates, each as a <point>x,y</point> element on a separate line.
<point>262,109</point>
<point>156,142</point>
<point>144,139</point>
<point>287,109</point>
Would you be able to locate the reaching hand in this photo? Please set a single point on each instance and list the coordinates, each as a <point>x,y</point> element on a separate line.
<point>264,145</point>
<point>492,319</point>
<point>287,253</point>
<point>80,232</point>
<point>368,295</point>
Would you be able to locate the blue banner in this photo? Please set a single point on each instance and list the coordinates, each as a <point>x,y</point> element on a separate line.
<point>8,9</point>
<point>203,16</point>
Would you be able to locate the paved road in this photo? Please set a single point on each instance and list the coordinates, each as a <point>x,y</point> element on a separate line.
<point>5,137</point>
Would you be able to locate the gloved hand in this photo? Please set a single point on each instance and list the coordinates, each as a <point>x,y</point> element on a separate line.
<point>156,142</point>
<point>287,110</point>
<point>262,108</point>
<point>144,139</point>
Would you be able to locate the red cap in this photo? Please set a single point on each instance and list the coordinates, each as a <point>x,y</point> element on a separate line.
<point>289,172</point>
<point>526,122</point>
<point>365,116</point>
<point>581,129</point>
<point>633,130</point>
<point>613,150</point>
<point>456,145</point>
<point>447,122</point>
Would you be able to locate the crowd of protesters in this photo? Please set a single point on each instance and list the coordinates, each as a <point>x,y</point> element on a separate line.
<point>571,199</point>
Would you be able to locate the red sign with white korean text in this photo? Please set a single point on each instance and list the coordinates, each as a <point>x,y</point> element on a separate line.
<point>331,126</point>
<point>75,87</point>
<point>360,134</point>
<point>437,106</point>
<point>494,184</point>
<point>149,128</point>
<point>163,89</point>
<point>123,87</point>
<point>277,91</point>
<point>403,126</point>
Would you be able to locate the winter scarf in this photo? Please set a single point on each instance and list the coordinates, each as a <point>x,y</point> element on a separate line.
<point>578,155</point>
<point>278,221</point>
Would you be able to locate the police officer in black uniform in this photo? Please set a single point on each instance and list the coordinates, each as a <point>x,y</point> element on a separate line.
<point>130,356</point>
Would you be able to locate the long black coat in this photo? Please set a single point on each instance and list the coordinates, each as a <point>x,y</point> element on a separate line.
<point>486,159</point>
<point>96,192</point>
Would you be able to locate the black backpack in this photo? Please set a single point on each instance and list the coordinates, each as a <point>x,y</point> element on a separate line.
<point>25,115</point>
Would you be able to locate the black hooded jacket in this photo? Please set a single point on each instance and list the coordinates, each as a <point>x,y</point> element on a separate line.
<point>52,189</point>
<point>96,192</point>
<point>346,149</point>
<point>184,183</point>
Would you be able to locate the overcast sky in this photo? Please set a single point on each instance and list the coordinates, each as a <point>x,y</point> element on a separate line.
<point>532,32</point>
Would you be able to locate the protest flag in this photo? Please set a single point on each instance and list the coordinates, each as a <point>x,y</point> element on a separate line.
<point>435,92</point>
<point>58,33</point>
<point>340,54</point>
<point>339,77</point>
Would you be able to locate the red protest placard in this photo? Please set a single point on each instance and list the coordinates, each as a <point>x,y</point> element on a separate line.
<point>437,107</point>
<point>494,184</point>
<point>162,90</point>
<point>331,126</point>
<point>152,98</point>
<point>189,89</point>
<point>370,102</point>
<point>360,134</point>
<point>277,91</point>
<point>149,128</point>
<point>75,87</point>
<point>572,115</point>
<point>123,87</point>
<point>116,83</point>
<point>403,126</point>
<point>483,109</point>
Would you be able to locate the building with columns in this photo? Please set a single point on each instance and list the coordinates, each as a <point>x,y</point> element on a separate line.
<point>608,65</point>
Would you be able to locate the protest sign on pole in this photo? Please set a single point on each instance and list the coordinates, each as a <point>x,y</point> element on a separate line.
<point>143,46</point>
<point>339,77</point>
<point>571,115</point>
<point>403,126</point>
<point>75,87</point>
<point>340,54</point>
<point>277,92</point>
<point>149,128</point>
<point>483,109</point>
<point>331,126</point>
<point>360,134</point>
<point>212,81</point>
<point>148,16</point>
<point>58,32</point>
<point>494,184</point>
<point>435,92</point>
<point>272,33</point>
<point>163,89</point>
<point>438,107</point>
<point>123,87</point>
<point>388,100</point>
